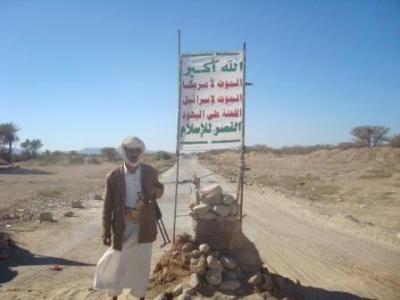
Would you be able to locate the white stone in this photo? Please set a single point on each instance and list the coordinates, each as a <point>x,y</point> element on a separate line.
<point>256,279</point>
<point>177,290</point>
<point>211,199</point>
<point>161,297</point>
<point>230,285</point>
<point>228,199</point>
<point>211,189</point>
<point>204,248</point>
<point>213,263</point>
<point>201,208</point>
<point>194,282</point>
<point>228,262</point>
<point>222,210</point>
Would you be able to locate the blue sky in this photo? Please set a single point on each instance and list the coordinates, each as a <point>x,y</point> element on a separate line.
<point>88,73</point>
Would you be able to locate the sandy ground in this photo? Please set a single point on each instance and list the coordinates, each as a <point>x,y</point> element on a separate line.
<point>332,259</point>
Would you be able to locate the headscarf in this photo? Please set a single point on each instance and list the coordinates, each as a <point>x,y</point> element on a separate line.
<point>132,142</point>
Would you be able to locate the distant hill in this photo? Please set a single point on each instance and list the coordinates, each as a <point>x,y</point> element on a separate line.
<point>90,151</point>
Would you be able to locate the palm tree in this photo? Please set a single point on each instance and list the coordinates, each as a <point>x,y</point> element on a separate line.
<point>8,135</point>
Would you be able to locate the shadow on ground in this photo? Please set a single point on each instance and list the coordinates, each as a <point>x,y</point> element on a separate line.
<point>22,257</point>
<point>15,170</point>
<point>248,257</point>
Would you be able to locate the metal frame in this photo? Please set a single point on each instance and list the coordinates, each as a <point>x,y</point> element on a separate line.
<point>243,147</point>
<point>177,133</point>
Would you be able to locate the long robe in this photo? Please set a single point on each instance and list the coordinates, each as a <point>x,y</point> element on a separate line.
<point>130,267</point>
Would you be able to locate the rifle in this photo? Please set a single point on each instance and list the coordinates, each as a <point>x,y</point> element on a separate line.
<point>161,226</point>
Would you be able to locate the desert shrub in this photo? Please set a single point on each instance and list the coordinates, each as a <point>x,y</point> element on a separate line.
<point>76,160</point>
<point>162,155</point>
<point>395,141</point>
<point>93,160</point>
<point>109,153</point>
<point>370,136</point>
<point>23,156</point>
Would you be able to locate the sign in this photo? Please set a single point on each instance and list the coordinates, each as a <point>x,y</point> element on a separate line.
<point>211,101</point>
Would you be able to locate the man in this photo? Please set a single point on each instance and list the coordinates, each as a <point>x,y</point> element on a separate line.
<point>129,214</point>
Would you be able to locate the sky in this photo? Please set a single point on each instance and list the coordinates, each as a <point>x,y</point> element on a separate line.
<point>85,73</point>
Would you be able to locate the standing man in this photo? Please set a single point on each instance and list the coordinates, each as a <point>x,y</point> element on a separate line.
<point>129,223</point>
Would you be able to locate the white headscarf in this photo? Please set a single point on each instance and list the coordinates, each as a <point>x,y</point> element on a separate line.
<point>132,142</point>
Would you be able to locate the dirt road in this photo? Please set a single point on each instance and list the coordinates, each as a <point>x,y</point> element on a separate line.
<point>330,263</point>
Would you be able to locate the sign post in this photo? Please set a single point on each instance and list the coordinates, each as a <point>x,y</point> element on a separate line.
<point>211,99</point>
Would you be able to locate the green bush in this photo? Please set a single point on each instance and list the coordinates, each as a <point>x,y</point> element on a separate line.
<point>162,155</point>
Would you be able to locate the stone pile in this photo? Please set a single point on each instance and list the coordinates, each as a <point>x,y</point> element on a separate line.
<point>215,216</point>
<point>210,203</point>
<point>188,269</point>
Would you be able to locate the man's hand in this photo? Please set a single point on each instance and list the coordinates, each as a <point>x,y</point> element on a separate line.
<point>107,241</point>
<point>158,190</point>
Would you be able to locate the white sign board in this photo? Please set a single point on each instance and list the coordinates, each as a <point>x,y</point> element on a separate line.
<point>211,101</point>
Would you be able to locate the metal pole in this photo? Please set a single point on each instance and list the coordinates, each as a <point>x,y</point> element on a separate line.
<point>243,148</point>
<point>177,132</point>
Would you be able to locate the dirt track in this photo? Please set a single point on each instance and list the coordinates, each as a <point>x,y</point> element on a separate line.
<point>293,242</point>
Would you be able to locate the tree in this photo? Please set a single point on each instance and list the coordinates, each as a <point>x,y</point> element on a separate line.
<point>370,136</point>
<point>31,147</point>
<point>109,152</point>
<point>8,136</point>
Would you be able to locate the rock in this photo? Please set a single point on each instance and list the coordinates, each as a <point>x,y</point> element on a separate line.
<point>211,189</point>
<point>207,216</point>
<point>228,262</point>
<point>214,277</point>
<point>193,215</point>
<point>98,197</point>
<point>214,263</point>
<point>231,274</point>
<point>268,283</point>
<point>211,199</point>
<point>69,214</point>
<point>204,248</point>
<point>194,281</point>
<point>195,254</point>
<point>200,267</point>
<point>77,204</point>
<point>46,217</point>
<point>256,279</point>
<point>201,208</point>
<point>194,261</point>
<point>228,199</point>
<point>189,291</point>
<point>234,209</point>
<point>187,247</point>
<point>222,210</point>
<point>161,297</point>
<point>184,297</point>
<point>177,290</point>
<point>230,285</point>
